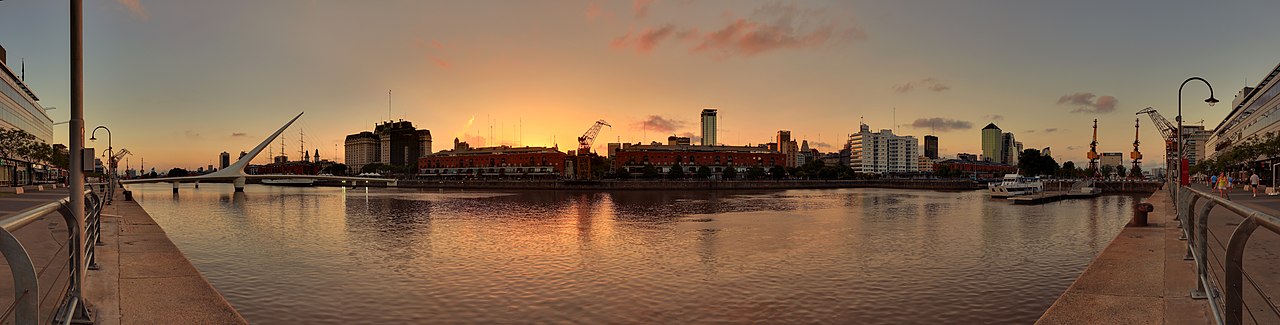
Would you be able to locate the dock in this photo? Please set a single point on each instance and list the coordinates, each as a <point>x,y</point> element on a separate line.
<point>1051,196</point>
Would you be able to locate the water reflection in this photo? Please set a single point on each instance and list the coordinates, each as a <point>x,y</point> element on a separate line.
<point>329,255</point>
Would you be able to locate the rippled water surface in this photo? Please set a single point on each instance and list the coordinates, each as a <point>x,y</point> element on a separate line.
<point>329,256</point>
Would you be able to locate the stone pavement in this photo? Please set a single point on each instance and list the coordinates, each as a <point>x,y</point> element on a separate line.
<point>1261,255</point>
<point>145,279</point>
<point>1140,278</point>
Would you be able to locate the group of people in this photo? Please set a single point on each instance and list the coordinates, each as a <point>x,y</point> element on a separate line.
<point>1222,183</point>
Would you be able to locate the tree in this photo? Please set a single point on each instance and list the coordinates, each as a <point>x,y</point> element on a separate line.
<point>178,172</point>
<point>729,173</point>
<point>1106,170</point>
<point>621,173</point>
<point>335,169</point>
<point>1030,162</point>
<point>649,171</point>
<point>755,172</point>
<point>778,172</point>
<point>1120,170</point>
<point>1136,172</point>
<point>1068,170</point>
<point>375,168</point>
<point>676,172</point>
<point>704,172</point>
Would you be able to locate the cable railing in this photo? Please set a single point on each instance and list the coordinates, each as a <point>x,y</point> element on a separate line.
<point>28,298</point>
<point>1226,298</point>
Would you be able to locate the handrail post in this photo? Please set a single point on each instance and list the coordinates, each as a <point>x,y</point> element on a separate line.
<point>1235,267</point>
<point>75,290</point>
<point>26,288</point>
<point>1188,232</point>
<point>1202,290</point>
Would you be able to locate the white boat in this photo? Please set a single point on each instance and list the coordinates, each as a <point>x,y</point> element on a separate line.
<point>290,182</point>
<point>1015,185</point>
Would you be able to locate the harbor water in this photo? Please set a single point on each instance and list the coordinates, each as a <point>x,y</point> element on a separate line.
<point>286,255</point>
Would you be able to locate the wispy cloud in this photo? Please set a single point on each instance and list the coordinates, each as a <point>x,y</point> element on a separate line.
<point>641,7</point>
<point>693,138</point>
<point>771,27</point>
<point>941,124</point>
<point>434,51</point>
<point>1089,103</point>
<point>239,134</point>
<point>191,134</point>
<point>815,144</point>
<point>1050,130</point>
<point>135,7</point>
<point>594,12</point>
<point>1029,131</point>
<point>658,124</point>
<point>930,84</point>
<point>993,117</point>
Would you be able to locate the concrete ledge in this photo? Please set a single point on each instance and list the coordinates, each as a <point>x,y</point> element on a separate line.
<point>14,190</point>
<point>33,188</point>
<point>1140,278</point>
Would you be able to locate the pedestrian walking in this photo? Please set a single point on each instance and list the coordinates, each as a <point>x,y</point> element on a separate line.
<point>1254,181</point>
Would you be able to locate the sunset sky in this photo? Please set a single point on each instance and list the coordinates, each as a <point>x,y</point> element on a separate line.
<point>181,81</point>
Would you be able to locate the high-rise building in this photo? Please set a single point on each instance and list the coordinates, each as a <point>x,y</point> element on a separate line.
<point>20,110</point>
<point>224,160</point>
<point>992,140</point>
<point>931,147</point>
<point>883,152</point>
<point>788,147</point>
<point>1111,159</point>
<point>395,143</point>
<point>361,149</point>
<point>709,127</point>
<point>1008,149</point>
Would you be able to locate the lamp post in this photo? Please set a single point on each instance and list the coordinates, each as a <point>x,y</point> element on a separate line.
<point>111,164</point>
<point>1181,153</point>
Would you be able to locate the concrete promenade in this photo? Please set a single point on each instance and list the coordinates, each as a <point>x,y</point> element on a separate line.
<point>1140,278</point>
<point>143,278</point>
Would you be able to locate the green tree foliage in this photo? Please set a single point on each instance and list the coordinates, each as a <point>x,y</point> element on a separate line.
<point>1107,170</point>
<point>335,169</point>
<point>1069,170</point>
<point>755,172</point>
<point>621,173</point>
<point>777,172</point>
<point>649,171</point>
<point>676,172</point>
<point>178,172</point>
<point>704,172</point>
<point>1120,170</point>
<point>1136,172</point>
<point>729,173</point>
<point>1032,163</point>
<point>18,144</point>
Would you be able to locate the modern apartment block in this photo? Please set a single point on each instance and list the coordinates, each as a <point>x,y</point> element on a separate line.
<point>883,152</point>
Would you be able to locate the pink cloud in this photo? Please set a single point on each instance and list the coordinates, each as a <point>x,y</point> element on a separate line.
<point>641,7</point>
<point>645,40</point>
<point>135,7</point>
<point>595,12</point>
<point>1085,103</point>
<point>772,27</point>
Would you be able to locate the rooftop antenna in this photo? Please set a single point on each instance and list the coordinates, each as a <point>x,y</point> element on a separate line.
<point>24,70</point>
<point>389,118</point>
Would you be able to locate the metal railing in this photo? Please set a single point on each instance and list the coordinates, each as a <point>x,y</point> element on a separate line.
<point>26,284</point>
<point>1226,300</point>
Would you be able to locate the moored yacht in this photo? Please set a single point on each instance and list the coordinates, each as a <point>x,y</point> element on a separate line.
<point>1014,185</point>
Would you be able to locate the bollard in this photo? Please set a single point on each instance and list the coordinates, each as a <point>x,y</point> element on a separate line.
<point>128,195</point>
<point>1140,212</point>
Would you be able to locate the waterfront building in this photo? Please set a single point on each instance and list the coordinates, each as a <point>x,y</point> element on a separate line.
<point>613,148</point>
<point>1254,113</point>
<point>882,152</point>
<point>931,146</point>
<point>925,165</point>
<point>967,157</point>
<point>1197,139</point>
<point>19,109</point>
<point>709,127</point>
<point>787,146</point>
<point>224,160</point>
<point>1111,159</point>
<point>492,162</point>
<point>395,143</point>
<point>678,141</point>
<point>976,169</point>
<point>992,140</point>
<point>1008,149</point>
<point>718,158</point>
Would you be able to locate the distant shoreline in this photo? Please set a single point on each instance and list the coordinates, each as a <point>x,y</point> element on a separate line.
<point>656,185</point>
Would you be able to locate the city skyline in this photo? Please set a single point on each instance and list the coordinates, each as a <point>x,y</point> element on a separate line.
<point>542,72</point>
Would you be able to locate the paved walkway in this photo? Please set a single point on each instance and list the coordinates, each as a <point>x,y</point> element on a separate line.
<point>145,279</point>
<point>1140,278</point>
<point>1261,256</point>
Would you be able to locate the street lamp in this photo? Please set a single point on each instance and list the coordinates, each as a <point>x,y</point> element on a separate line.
<point>110,161</point>
<point>1211,100</point>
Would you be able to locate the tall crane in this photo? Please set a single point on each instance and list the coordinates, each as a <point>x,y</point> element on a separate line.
<point>585,141</point>
<point>1093,150</point>
<point>582,160</point>
<point>1170,134</point>
<point>1136,155</point>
